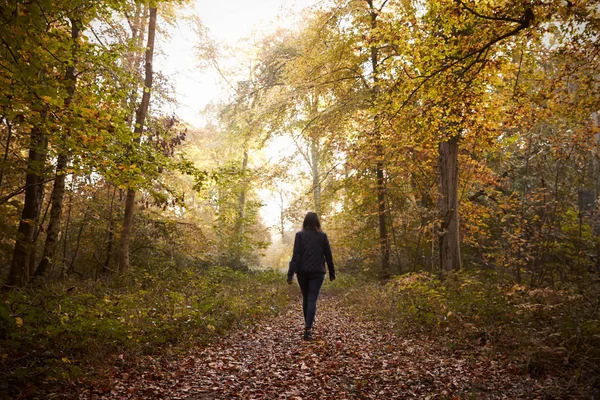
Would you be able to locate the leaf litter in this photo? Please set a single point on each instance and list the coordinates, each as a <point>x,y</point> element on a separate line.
<point>349,358</point>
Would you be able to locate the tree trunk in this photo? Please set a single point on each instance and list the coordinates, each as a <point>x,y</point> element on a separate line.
<point>239,223</point>
<point>384,242</point>
<point>34,193</point>
<point>36,233</point>
<point>78,241</point>
<point>58,191</point>
<point>126,231</point>
<point>53,231</point>
<point>133,60</point>
<point>65,235</point>
<point>315,160</point>
<point>281,214</point>
<point>6,148</point>
<point>111,234</point>
<point>449,240</point>
<point>595,175</point>
<point>140,119</point>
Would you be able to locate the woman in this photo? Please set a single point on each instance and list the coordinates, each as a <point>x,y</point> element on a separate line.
<point>311,251</point>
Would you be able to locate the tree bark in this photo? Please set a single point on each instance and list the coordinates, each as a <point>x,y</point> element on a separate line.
<point>111,234</point>
<point>134,58</point>
<point>19,267</point>
<point>58,191</point>
<point>6,148</point>
<point>595,176</point>
<point>36,233</point>
<point>315,161</point>
<point>140,119</point>
<point>384,242</point>
<point>449,240</point>
<point>239,223</point>
<point>281,214</point>
<point>71,268</point>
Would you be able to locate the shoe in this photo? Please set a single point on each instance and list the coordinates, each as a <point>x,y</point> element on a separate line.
<point>307,334</point>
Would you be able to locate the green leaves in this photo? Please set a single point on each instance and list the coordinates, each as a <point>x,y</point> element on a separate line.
<point>135,315</point>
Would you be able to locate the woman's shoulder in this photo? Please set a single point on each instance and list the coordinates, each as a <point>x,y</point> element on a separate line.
<point>311,232</point>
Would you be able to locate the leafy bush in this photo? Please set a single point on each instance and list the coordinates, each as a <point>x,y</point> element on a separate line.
<point>51,333</point>
<point>541,329</point>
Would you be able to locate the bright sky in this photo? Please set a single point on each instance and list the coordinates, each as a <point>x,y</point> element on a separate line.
<point>228,21</point>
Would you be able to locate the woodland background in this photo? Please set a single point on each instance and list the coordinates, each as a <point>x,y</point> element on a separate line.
<point>451,149</point>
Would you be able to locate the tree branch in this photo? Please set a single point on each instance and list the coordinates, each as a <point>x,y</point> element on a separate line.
<point>524,23</point>
<point>504,19</point>
<point>17,192</point>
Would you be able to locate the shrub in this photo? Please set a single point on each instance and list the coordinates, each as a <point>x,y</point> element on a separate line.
<point>52,332</point>
<point>543,329</point>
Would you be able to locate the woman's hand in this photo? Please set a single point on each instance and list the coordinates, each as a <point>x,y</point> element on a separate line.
<point>332,278</point>
<point>289,280</point>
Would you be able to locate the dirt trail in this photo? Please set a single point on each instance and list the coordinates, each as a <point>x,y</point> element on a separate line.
<point>349,359</point>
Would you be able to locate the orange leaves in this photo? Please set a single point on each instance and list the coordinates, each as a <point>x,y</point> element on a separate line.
<point>352,358</point>
<point>123,167</point>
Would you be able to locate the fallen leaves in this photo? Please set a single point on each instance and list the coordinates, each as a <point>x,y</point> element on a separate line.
<point>349,359</point>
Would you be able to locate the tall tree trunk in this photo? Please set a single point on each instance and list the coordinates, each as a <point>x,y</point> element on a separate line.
<point>449,239</point>
<point>34,193</point>
<point>6,148</point>
<point>595,175</point>
<point>36,233</point>
<point>111,233</point>
<point>384,242</point>
<point>123,257</point>
<point>239,223</point>
<point>315,162</point>
<point>65,235</point>
<point>140,119</point>
<point>71,268</point>
<point>137,25</point>
<point>58,191</point>
<point>281,214</point>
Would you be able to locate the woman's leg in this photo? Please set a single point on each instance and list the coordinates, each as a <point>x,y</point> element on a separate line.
<point>314,287</point>
<point>303,282</point>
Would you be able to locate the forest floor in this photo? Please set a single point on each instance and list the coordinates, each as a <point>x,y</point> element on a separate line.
<point>349,358</point>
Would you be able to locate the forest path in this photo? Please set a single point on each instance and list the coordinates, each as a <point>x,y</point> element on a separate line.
<point>349,359</point>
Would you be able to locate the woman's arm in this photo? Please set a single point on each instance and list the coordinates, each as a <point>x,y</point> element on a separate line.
<point>295,257</point>
<point>329,259</point>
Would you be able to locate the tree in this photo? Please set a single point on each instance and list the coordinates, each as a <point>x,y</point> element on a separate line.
<point>58,190</point>
<point>35,95</point>
<point>140,119</point>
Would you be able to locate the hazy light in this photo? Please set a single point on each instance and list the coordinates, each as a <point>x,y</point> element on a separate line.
<point>229,21</point>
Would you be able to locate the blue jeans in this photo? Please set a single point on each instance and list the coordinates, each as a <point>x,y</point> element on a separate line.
<point>310,285</point>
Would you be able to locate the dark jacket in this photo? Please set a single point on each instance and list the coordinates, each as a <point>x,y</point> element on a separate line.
<point>311,251</point>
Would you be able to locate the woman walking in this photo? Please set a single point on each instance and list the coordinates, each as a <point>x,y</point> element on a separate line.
<point>311,251</point>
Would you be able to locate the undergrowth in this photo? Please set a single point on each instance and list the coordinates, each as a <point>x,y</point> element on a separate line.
<point>59,333</point>
<point>538,331</point>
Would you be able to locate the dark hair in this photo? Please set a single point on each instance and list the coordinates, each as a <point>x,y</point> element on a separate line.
<point>311,221</point>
